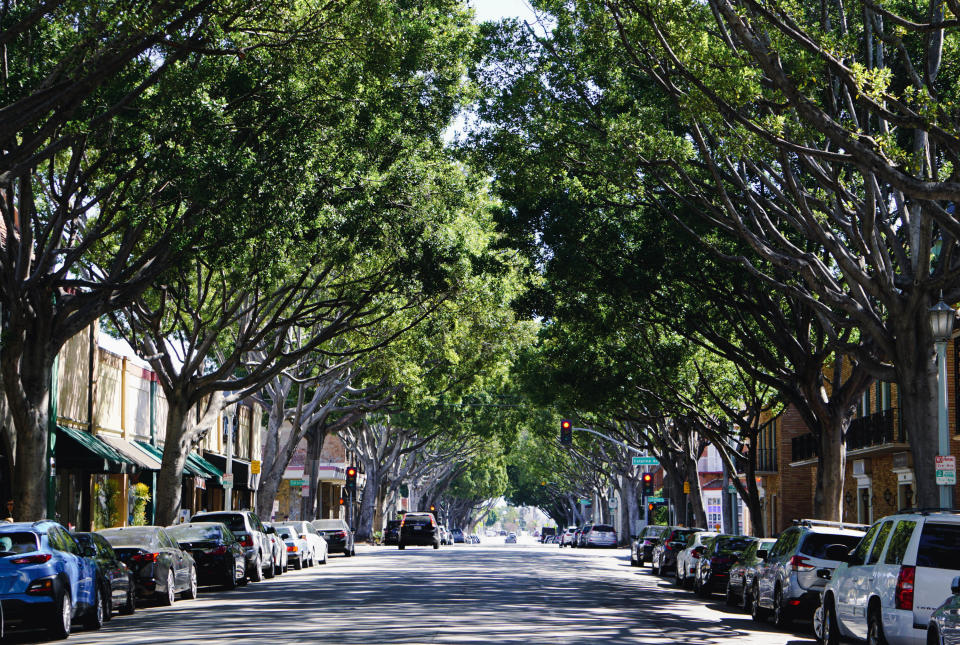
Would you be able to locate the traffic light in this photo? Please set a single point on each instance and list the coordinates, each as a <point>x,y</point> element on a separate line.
<point>341,501</point>
<point>650,507</point>
<point>433,509</point>
<point>647,485</point>
<point>351,479</point>
<point>566,432</point>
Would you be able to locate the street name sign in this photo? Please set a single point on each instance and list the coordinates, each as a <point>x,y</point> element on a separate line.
<point>298,482</point>
<point>655,500</point>
<point>946,467</point>
<point>586,502</point>
<point>645,461</point>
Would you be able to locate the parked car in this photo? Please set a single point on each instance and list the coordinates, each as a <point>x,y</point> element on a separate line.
<point>566,538</point>
<point>338,535</point>
<point>944,625</point>
<point>886,589</point>
<point>318,545</point>
<point>444,535</point>
<point>114,578</point>
<point>663,559</point>
<point>46,580</point>
<point>742,573</point>
<point>457,535</point>
<point>786,584</point>
<point>296,546</point>
<point>548,533</point>
<point>511,538</point>
<point>687,558</point>
<point>582,534</point>
<point>641,548</point>
<point>247,527</point>
<point>419,529</point>
<point>713,565</point>
<point>600,535</point>
<point>278,549</point>
<point>161,569</point>
<point>391,533</point>
<point>216,551</point>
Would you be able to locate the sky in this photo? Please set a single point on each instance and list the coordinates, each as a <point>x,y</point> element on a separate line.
<point>496,9</point>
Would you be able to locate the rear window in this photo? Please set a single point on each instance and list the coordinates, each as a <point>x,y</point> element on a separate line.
<point>22,542</point>
<point>679,535</point>
<point>815,544</point>
<point>191,533</point>
<point>416,520</point>
<point>731,545</point>
<point>603,528</point>
<point>938,546</point>
<point>131,537</point>
<point>233,521</point>
<point>899,541</point>
<point>327,525</point>
<point>285,532</point>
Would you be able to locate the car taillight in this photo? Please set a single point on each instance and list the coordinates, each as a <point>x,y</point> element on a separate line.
<point>292,548</point>
<point>341,534</point>
<point>903,594</point>
<point>143,556</point>
<point>799,563</point>
<point>41,587</point>
<point>217,550</point>
<point>695,555</point>
<point>40,558</point>
<point>246,540</point>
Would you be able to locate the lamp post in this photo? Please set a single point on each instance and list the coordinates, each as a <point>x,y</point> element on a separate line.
<point>941,324</point>
<point>229,415</point>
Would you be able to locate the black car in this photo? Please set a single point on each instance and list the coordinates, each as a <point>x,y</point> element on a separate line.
<point>641,549</point>
<point>338,535</point>
<point>419,529</point>
<point>216,551</point>
<point>115,579</point>
<point>391,534</point>
<point>664,556</point>
<point>742,573</point>
<point>716,558</point>
<point>160,568</point>
<point>257,545</point>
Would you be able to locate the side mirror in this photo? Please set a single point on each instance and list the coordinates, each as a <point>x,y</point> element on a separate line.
<point>838,552</point>
<point>762,554</point>
<point>955,586</point>
<point>88,551</point>
<point>271,530</point>
<point>700,549</point>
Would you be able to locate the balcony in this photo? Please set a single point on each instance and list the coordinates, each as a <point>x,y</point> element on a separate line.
<point>878,431</point>
<point>766,460</point>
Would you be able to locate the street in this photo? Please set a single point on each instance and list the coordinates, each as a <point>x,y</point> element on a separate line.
<point>490,593</point>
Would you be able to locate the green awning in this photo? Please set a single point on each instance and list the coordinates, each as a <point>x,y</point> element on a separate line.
<point>195,465</point>
<point>96,448</point>
<point>209,470</point>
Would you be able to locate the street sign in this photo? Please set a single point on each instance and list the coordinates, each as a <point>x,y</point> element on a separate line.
<point>585,502</point>
<point>686,488</point>
<point>255,467</point>
<point>731,489</point>
<point>305,491</point>
<point>298,482</point>
<point>645,461</point>
<point>946,466</point>
<point>227,480</point>
<point>655,500</point>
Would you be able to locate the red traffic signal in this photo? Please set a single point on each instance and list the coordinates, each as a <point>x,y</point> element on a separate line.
<point>650,507</point>
<point>566,432</point>
<point>351,479</point>
<point>341,501</point>
<point>647,479</point>
<point>351,472</point>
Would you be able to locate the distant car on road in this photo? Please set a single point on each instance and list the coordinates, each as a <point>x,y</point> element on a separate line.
<point>457,535</point>
<point>600,535</point>
<point>687,558</point>
<point>641,549</point>
<point>663,559</point>
<point>713,565</point>
<point>419,529</point>
<point>511,539</point>
<point>742,572</point>
<point>391,533</point>
<point>317,551</point>
<point>338,535</point>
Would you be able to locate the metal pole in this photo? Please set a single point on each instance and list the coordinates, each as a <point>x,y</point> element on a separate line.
<point>228,490</point>
<point>153,442</point>
<point>612,440</point>
<point>943,434</point>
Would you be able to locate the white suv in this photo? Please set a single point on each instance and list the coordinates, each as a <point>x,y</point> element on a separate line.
<point>886,588</point>
<point>687,559</point>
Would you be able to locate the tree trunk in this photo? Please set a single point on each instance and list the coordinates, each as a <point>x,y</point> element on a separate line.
<point>315,438</point>
<point>368,500</point>
<point>696,515</point>
<point>831,469</point>
<point>917,393</point>
<point>170,478</point>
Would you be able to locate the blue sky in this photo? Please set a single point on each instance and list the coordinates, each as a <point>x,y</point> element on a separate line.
<point>494,9</point>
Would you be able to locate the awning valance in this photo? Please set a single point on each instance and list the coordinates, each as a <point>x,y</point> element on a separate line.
<point>82,450</point>
<point>133,451</point>
<point>195,466</point>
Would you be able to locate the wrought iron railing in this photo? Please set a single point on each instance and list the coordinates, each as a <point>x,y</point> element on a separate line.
<point>877,429</point>
<point>803,447</point>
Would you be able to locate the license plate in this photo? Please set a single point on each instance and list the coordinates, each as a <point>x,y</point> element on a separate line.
<point>417,528</point>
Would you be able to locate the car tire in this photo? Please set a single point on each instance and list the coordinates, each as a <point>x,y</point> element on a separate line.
<point>108,607</point>
<point>677,577</point>
<point>875,635</point>
<point>243,580</point>
<point>62,615</point>
<point>655,567</point>
<point>93,620</point>
<point>436,545</point>
<point>746,604</point>
<point>324,561</point>
<point>277,568</point>
<point>401,546</point>
<point>190,593</point>
<point>256,574</point>
<point>933,635</point>
<point>171,596</point>
<point>831,629</point>
<point>130,606</point>
<point>703,591</point>
<point>757,613</point>
<point>781,615</point>
<point>269,573</point>
<point>230,577</point>
<point>297,565</point>
<point>728,598</point>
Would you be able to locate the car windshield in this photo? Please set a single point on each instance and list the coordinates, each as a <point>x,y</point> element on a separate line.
<point>815,545</point>
<point>234,521</point>
<point>392,524</point>
<point>328,525</point>
<point>938,546</point>
<point>681,534</point>
<point>131,537</point>
<point>603,528</point>
<point>20,542</point>
<point>189,533</point>
<point>286,532</point>
<point>727,546</point>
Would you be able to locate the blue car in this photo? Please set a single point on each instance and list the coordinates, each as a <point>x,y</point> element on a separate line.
<point>45,581</point>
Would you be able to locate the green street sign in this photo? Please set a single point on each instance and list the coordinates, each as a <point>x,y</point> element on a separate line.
<point>655,500</point>
<point>646,461</point>
<point>585,502</point>
<point>298,482</point>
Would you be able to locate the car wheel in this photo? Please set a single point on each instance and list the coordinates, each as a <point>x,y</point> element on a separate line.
<point>933,636</point>
<point>436,545</point>
<point>746,604</point>
<point>297,565</point>
<point>781,615</point>
<point>257,570</point>
<point>678,577</point>
<point>277,568</point>
<point>401,546</point>
<point>728,597</point>
<point>107,607</point>
<point>190,593</point>
<point>94,617</point>
<point>703,591</point>
<point>243,580</point>
<point>757,613</point>
<point>62,616</point>
<point>655,567</point>
<point>171,596</point>
<point>830,631</point>
<point>817,623</point>
<point>131,604</point>
<point>324,561</point>
<point>230,577</point>
<point>875,634</point>
<point>270,568</point>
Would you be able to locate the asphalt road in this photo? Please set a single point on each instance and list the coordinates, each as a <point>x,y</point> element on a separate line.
<point>489,593</point>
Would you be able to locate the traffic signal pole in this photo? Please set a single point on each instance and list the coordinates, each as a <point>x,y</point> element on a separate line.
<point>612,440</point>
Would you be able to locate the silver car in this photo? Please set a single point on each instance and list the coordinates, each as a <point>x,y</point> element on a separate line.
<point>317,553</point>
<point>944,625</point>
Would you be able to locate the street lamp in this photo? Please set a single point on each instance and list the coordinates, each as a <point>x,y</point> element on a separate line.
<point>941,324</point>
<point>229,415</point>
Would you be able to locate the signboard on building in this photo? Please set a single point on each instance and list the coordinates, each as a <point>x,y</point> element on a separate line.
<point>645,461</point>
<point>227,480</point>
<point>255,467</point>
<point>946,466</point>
